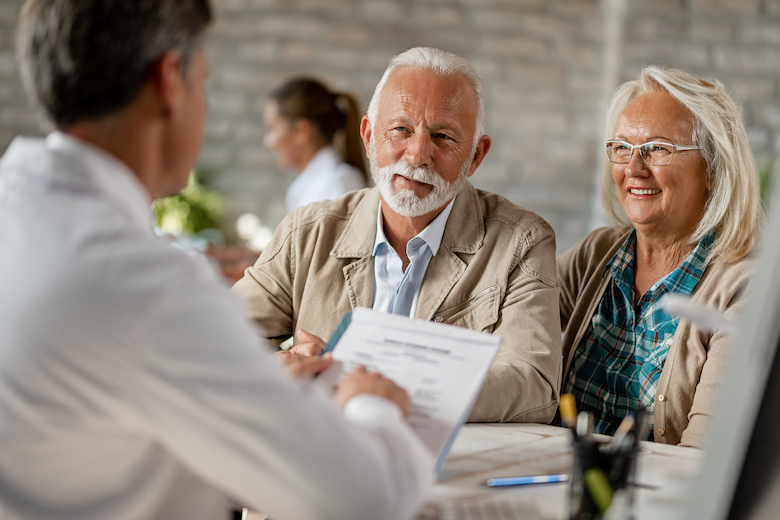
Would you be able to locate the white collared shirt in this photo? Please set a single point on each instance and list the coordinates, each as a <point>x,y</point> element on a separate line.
<point>326,176</point>
<point>131,386</point>
<point>395,290</point>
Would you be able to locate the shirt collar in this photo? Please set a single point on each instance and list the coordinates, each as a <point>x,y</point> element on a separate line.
<point>682,280</point>
<point>114,179</point>
<point>432,234</point>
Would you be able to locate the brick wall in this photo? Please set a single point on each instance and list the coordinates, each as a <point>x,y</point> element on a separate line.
<point>548,68</point>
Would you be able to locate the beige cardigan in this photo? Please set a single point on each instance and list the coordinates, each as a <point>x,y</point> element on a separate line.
<point>697,358</point>
<point>494,272</point>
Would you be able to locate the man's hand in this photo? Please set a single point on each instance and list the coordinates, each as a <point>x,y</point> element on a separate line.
<point>308,344</point>
<point>303,366</point>
<point>361,381</point>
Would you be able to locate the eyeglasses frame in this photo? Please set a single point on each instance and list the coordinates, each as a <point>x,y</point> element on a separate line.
<point>676,148</point>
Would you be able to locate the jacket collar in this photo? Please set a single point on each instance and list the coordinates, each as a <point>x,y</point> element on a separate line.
<point>464,234</point>
<point>465,231</point>
<point>357,239</point>
<point>63,158</point>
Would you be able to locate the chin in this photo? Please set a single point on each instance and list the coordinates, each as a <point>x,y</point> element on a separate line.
<point>170,191</point>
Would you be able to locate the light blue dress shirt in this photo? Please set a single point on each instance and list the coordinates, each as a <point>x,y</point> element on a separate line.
<point>396,291</point>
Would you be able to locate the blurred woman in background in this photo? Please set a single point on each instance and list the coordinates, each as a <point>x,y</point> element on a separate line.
<point>317,133</point>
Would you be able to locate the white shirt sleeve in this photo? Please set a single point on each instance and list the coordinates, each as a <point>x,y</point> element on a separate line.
<point>133,387</point>
<point>219,401</point>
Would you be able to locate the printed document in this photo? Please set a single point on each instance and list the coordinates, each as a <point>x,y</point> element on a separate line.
<point>442,367</point>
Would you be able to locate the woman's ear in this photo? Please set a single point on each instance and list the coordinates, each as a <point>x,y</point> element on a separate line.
<point>303,131</point>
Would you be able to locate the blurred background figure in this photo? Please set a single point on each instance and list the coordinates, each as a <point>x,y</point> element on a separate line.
<point>315,132</point>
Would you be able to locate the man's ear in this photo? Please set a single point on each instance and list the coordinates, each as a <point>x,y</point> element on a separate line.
<point>365,133</point>
<point>169,83</point>
<point>483,145</point>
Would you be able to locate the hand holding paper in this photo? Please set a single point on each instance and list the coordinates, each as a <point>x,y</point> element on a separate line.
<point>442,367</point>
<point>303,366</point>
<point>361,381</point>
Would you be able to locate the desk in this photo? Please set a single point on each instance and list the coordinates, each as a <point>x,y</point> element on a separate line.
<point>482,451</point>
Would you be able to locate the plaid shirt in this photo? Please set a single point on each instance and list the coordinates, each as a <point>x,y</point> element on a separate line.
<point>620,358</point>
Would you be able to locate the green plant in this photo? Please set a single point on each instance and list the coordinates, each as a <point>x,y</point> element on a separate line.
<point>193,210</point>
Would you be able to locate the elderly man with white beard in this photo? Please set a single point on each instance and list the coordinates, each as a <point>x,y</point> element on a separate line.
<point>423,243</point>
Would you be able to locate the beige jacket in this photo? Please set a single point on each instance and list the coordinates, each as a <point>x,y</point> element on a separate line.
<point>494,272</point>
<point>697,358</point>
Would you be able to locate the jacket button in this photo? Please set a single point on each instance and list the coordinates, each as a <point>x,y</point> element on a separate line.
<point>660,431</point>
<point>662,398</point>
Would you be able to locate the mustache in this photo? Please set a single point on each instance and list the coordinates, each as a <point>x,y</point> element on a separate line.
<point>419,174</point>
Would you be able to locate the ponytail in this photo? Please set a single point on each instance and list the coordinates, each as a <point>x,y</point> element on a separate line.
<point>354,153</point>
<point>335,116</point>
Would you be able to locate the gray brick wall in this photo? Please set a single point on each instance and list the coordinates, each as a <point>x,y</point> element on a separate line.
<point>547,67</point>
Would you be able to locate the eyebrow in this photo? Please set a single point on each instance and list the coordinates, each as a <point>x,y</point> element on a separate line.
<point>436,127</point>
<point>649,139</point>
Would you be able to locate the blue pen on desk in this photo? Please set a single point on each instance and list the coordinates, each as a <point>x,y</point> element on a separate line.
<point>520,481</point>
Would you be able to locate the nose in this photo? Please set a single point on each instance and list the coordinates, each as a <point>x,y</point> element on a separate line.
<point>636,166</point>
<point>419,151</point>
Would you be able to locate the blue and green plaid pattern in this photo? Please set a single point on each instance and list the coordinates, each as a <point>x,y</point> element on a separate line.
<point>620,358</point>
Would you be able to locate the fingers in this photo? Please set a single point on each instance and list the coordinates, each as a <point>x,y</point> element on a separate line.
<point>285,356</point>
<point>308,367</point>
<point>307,344</point>
<point>303,366</point>
<point>304,337</point>
<point>306,349</point>
<point>361,381</point>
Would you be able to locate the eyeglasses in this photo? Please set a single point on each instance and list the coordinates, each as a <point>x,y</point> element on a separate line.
<point>653,153</point>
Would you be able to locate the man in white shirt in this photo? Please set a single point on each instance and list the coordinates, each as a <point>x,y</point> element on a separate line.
<point>424,243</point>
<point>130,385</point>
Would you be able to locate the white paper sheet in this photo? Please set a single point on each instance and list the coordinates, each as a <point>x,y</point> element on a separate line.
<point>442,367</point>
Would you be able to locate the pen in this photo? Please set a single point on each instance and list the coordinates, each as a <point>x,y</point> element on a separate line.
<point>519,481</point>
<point>584,425</point>
<point>568,410</point>
<point>620,434</point>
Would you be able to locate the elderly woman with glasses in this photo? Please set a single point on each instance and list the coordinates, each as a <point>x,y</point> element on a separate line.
<point>682,189</point>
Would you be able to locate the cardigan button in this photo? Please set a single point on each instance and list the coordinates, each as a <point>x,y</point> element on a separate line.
<point>660,431</point>
<point>662,398</point>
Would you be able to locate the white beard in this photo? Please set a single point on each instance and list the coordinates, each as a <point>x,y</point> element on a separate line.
<point>405,201</point>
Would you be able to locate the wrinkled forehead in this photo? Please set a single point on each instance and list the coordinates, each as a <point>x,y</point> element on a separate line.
<point>656,115</point>
<point>424,91</point>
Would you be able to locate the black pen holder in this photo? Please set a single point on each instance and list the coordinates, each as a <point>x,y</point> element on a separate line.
<point>602,479</point>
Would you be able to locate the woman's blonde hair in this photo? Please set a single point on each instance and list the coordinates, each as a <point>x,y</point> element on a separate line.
<point>733,209</point>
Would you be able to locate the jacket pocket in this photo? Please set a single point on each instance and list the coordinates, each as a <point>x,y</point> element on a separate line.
<point>480,312</point>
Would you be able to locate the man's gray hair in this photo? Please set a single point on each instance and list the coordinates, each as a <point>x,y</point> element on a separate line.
<point>440,62</point>
<point>85,59</point>
<point>733,208</point>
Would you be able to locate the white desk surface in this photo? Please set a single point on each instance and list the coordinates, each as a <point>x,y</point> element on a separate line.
<point>483,451</point>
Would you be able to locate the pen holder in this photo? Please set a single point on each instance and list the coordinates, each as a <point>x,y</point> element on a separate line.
<point>601,479</point>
